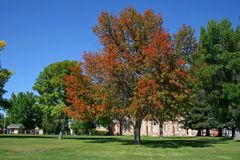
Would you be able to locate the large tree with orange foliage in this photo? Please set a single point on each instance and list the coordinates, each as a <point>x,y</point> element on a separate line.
<point>137,70</point>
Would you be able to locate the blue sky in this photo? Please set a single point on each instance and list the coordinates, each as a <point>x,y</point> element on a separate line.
<point>41,32</point>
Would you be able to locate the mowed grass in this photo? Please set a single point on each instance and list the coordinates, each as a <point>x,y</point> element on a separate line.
<point>24,147</point>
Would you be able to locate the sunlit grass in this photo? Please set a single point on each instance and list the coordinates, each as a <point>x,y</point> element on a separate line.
<point>116,148</point>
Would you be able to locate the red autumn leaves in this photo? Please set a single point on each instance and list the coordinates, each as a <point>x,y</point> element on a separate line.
<point>136,72</point>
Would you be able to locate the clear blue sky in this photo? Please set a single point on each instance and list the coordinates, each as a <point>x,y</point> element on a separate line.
<point>41,32</point>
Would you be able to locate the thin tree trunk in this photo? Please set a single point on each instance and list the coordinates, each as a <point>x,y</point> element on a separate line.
<point>173,128</point>
<point>199,132</point>
<point>62,130</point>
<point>110,130</point>
<point>225,132</point>
<point>4,125</point>
<point>160,128</point>
<point>120,126</point>
<point>137,131</point>
<point>219,132</point>
<point>147,127</point>
<point>233,132</point>
<point>208,132</point>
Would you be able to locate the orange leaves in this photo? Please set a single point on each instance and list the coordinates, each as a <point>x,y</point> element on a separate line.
<point>159,50</point>
<point>138,54</point>
<point>130,32</point>
<point>74,83</point>
<point>145,96</point>
<point>146,86</point>
<point>151,19</point>
<point>111,61</point>
<point>181,62</point>
<point>81,94</point>
<point>137,71</point>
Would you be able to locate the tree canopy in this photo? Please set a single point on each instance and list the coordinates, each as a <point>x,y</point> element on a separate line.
<point>217,70</point>
<point>24,110</point>
<point>142,72</point>
<point>138,65</point>
<point>51,88</point>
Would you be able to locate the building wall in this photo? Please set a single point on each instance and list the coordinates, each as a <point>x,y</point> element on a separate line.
<point>175,129</point>
<point>151,128</point>
<point>16,130</point>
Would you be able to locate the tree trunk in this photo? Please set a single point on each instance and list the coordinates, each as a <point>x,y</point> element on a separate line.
<point>233,132</point>
<point>4,125</point>
<point>208,132</point>
<point>199,132</point>
<point>219,132</point>
<point>120,126</point>
<point>110,129</point>
<point>161,129</point>
<point>62,130</point>
<point>137,131</point>
<point>173,128</point>
<point>147,127</point>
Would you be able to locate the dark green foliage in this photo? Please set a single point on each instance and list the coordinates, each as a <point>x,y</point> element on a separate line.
<point>201,115</point>
<point>24,110</point>
<point>217,70</point>
<point>83,128</point>
<point>220,47</point>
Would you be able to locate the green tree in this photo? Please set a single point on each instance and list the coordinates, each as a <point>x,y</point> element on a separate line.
<point>217,73</point>
<point>200,116</point>
<point>24,110</point>
<point>81,127</point>
<point>51,88</point>
<point>230,89</point>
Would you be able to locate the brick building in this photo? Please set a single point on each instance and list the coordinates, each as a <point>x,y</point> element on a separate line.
<point>151,128</point>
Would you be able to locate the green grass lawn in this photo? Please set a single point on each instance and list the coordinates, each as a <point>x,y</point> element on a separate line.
<point>116,148</point>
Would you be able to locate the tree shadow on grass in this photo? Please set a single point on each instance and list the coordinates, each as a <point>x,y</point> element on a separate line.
<point>179,143</point>
<point>21,136</point>
<point>166,143</point>
<point>98,139</point>
<point>95,139</point>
